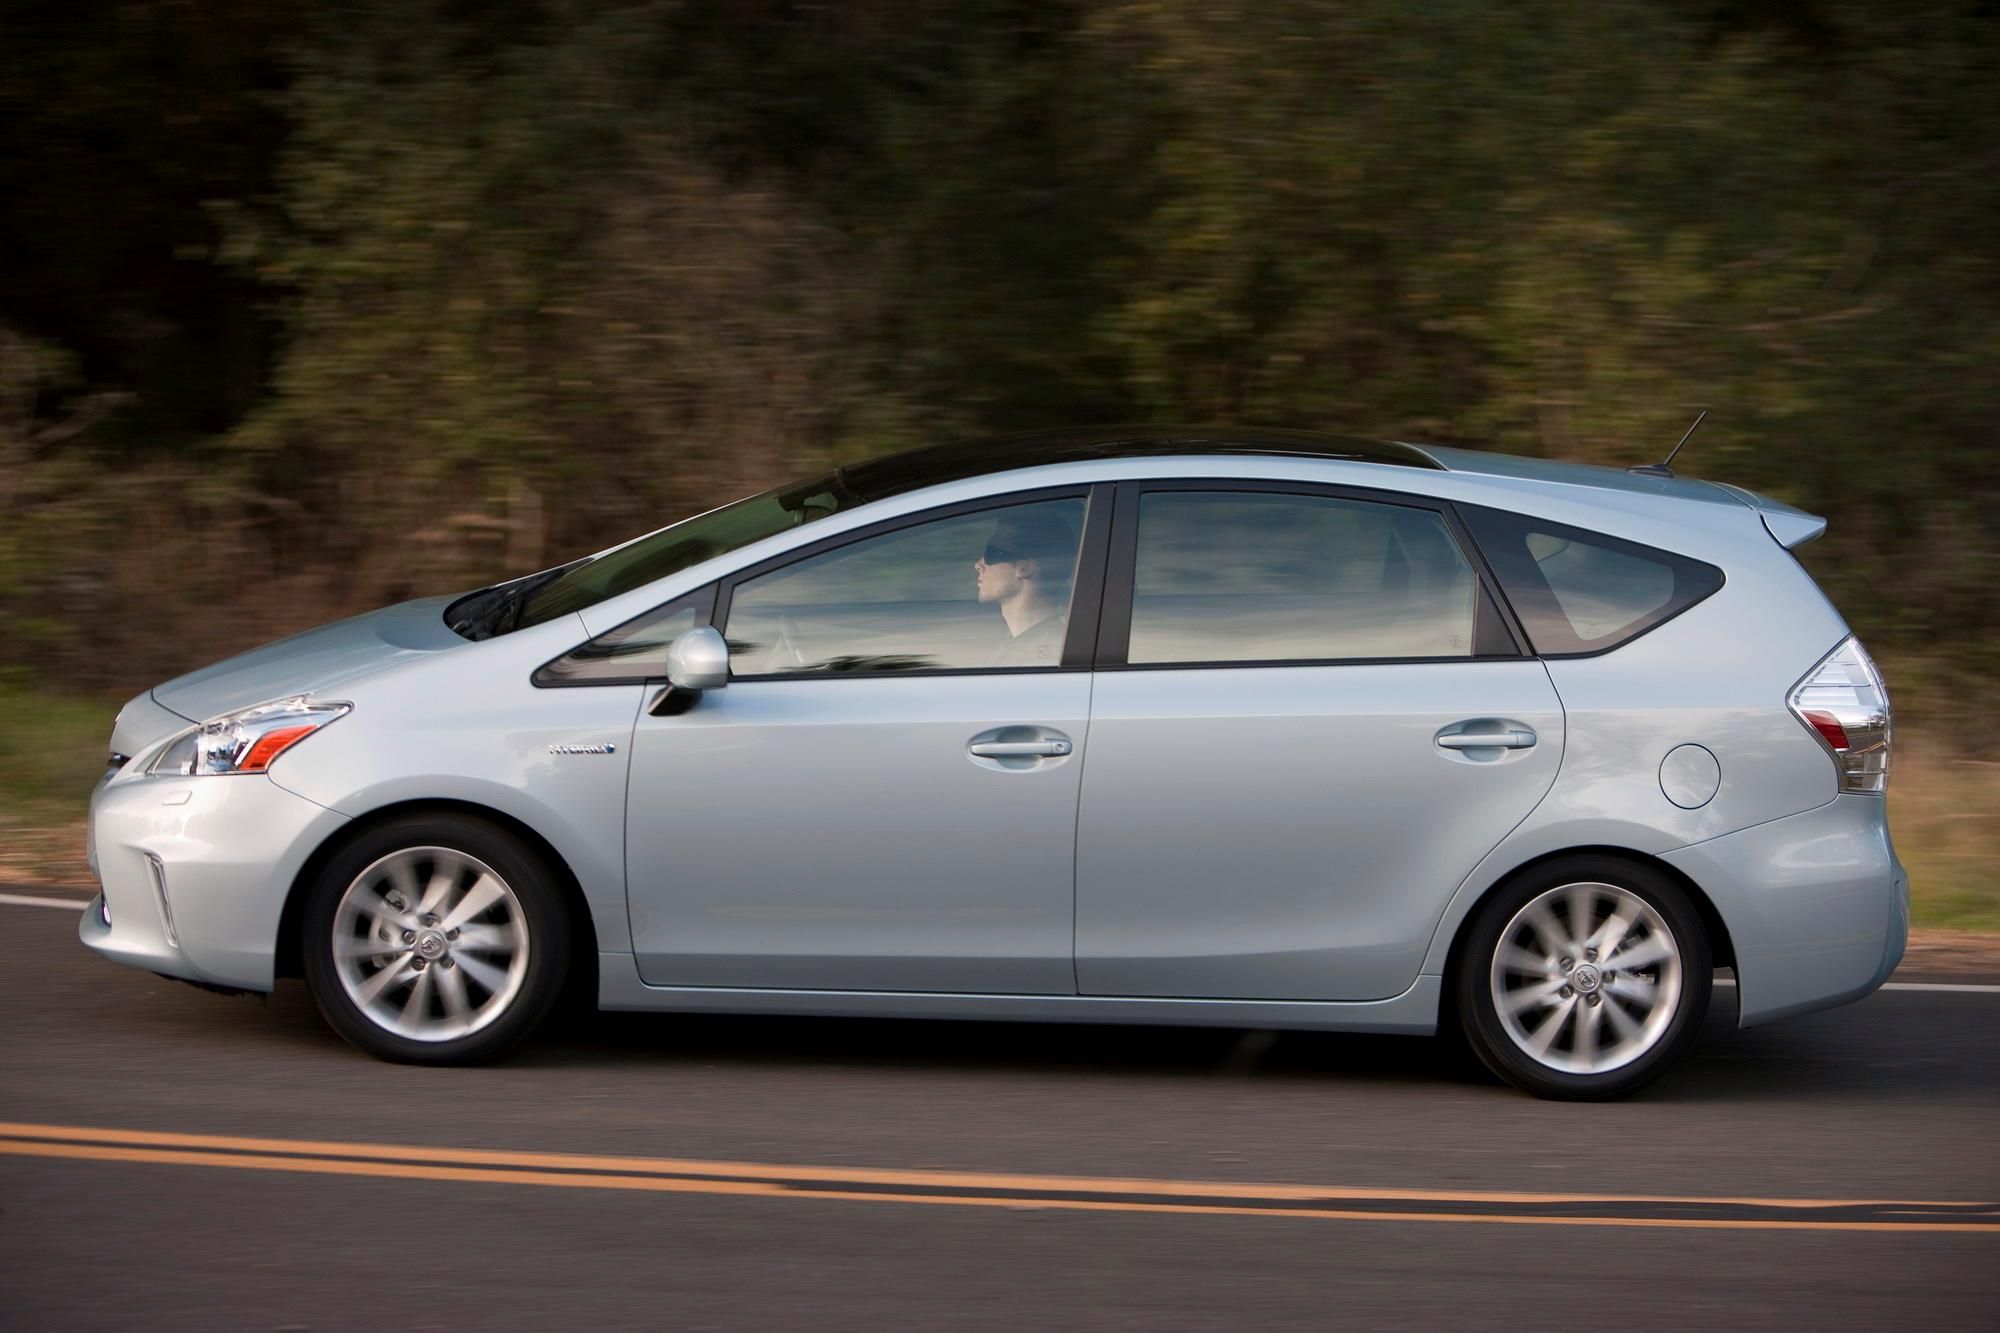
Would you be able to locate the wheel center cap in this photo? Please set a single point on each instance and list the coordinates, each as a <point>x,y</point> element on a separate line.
<point>1585,979</point>
<point>431,945</point>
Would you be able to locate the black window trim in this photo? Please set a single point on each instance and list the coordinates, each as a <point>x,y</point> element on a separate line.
<point>1101,601</point>
<point>1674,560</point>
<point>1115,630</point>
<point>1086,591</point>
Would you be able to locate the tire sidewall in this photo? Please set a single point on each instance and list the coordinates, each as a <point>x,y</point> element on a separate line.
<point>542,911</point>
<point>1480,1021</point>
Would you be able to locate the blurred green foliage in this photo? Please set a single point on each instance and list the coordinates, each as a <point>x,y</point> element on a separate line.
<point>312,307</point>
<point>52,750</point>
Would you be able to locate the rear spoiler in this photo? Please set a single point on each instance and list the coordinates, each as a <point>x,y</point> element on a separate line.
<point>1791,528</point>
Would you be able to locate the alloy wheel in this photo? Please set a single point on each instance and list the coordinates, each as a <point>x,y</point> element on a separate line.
<point>1586,978</point>
<point>430,944</point>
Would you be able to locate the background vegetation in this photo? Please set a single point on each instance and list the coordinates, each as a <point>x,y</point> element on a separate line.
<point>310,307</point>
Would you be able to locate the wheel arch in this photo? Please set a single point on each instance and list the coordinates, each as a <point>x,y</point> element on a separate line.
<point>582,978</point>
<point>1720,945</point>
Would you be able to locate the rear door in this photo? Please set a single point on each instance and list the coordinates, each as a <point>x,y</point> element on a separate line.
<point>1311,719</point>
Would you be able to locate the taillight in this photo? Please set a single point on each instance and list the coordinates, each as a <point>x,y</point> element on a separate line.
<point>1844,703</point>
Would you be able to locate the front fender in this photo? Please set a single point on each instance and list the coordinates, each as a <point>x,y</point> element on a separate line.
<point>559,768</point>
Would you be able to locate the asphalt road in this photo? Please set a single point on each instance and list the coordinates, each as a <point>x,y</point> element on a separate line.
<point>1837,1171</point>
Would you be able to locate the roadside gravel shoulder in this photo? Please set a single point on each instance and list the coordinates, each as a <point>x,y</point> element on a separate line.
<point>1950,953</point>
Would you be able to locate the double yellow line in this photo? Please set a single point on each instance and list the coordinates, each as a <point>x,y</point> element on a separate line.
<point>994,1190</point>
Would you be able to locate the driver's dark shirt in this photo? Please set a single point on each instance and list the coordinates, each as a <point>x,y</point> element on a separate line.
<point>1040,644</point>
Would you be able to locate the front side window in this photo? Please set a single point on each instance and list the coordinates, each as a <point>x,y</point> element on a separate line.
<point>976,591</point>
<point>634,651</point>
<point>1584,592</point>
<point>1254,577</point>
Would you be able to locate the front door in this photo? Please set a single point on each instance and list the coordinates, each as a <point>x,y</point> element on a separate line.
<point>1310,726</point>
<point>884,796</point>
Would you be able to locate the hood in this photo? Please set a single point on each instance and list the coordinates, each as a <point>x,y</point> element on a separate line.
<point>317,662</point>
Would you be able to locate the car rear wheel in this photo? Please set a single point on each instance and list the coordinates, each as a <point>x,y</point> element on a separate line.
<point>435,940</point>
<point>1585,979</point>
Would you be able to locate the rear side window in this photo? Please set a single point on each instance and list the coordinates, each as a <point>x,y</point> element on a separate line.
<point>1583,592</point>
<point>1250,577</point>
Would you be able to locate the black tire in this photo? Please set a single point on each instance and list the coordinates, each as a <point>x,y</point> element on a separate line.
<point>1478,1011</point>
<point>543,916</point>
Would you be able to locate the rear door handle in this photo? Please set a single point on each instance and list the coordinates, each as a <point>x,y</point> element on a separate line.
<point>1487,740</point>
<point>1018,749</point>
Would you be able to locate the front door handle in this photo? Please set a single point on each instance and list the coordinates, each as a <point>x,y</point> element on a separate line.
<point>1487,740</point>
<point>1018,749</point>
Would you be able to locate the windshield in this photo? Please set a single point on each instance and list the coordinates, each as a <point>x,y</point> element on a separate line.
<point>557,592</point>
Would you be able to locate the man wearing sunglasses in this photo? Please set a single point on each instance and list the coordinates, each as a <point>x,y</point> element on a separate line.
<point>1025,570</point>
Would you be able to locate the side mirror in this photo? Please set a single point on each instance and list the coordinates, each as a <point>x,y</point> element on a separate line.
<point>697,661</point>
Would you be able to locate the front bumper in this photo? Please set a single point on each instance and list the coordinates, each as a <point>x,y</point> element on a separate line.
<point>195,872</point>
<point>1817,906</point>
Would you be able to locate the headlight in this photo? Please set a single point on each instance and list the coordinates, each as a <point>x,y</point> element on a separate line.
<point>247,740</point>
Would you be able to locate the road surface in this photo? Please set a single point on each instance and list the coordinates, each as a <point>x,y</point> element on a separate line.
<point>174,1159</point>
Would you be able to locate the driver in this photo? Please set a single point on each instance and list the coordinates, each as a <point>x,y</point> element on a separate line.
<point>1025,571</point>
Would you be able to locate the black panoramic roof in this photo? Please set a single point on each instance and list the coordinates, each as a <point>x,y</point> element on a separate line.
<point>879,478</point>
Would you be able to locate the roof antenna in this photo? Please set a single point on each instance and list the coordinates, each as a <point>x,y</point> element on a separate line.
<point>1666,469</point>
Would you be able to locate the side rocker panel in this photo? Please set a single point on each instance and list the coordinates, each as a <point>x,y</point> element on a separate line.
<point>1413,1013</point>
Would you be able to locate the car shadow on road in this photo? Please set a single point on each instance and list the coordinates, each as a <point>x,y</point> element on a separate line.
<point>1050,1049</point>
<point>1805,1059</point>
<point>1889,1050</point>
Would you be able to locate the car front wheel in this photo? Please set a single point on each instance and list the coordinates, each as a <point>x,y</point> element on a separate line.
<point>1585,979</point>
<point>435,940</point>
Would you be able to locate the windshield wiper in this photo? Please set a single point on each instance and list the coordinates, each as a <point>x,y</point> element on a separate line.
<point>494,611</point>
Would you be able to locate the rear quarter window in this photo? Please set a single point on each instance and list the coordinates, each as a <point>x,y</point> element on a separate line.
<point>1579,592</point>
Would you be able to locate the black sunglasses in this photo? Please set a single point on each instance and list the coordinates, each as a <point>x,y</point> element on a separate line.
<point>1000,555</point>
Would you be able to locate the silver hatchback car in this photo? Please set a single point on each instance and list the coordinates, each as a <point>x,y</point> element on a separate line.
<point>1186,726</point>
